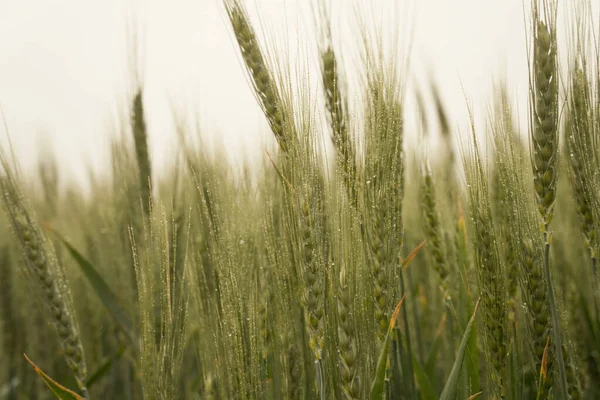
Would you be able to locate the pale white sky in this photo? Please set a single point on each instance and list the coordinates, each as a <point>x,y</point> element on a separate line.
<point>63,67</point>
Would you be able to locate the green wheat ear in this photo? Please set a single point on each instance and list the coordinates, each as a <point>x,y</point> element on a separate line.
<point>336,110</point>
<point>433,230</point>
<point>261,77</point>
<point>43,269</point>
<point>537,309</point>
<point>140,136</point>
<point>544,138</point>
<point>491,276</point>
<point>545,119</point>
<point>580,145</point>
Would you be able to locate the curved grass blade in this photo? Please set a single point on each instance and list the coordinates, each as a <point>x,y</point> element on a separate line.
<point>104,368</point>
<point>378,386</point>
<point>58,390</point>
<point>107,297</point>
<point>543,370</point>
<point>406,262</point>
<point>449,391</point>
<point>476,395</point>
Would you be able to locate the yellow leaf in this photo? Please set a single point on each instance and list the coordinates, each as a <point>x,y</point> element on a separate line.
<point>413,254</point>
<point>59,391</point>
<point>475,396</point>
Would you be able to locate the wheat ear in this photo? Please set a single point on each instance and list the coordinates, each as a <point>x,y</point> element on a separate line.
<point>544,137</point>
<point>42,266</point>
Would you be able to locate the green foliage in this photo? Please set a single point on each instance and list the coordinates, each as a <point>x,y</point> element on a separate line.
<point>279,281</point>
<point>451,386</point>
<point>378,385</point>
<point>103,291</point>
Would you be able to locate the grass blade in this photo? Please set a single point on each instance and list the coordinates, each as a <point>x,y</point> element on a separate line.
<point>476,395</point>
<point>543,370</point>
<point>58,390</point>
<point>449,391</point>
<point>104,368</point>
<point>378,386</point>
<point>107,297</point>
<point>406,262</point>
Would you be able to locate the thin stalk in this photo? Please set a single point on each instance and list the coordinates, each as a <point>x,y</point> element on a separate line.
<point>390,377</point>
<point>554,313</point>
<point>399,379</point>
<point>408,367</point>
<point>450,315</point>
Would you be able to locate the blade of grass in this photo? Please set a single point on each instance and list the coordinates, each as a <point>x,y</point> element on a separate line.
<point>107,297</point>
<point>406,262</point>
<point>543,370</point>
<point>104,367</point>
<point>474,396</point>
<point>405,343</point>
<point>378,386</point>
<point>449,391</point>
<point>58,390</point>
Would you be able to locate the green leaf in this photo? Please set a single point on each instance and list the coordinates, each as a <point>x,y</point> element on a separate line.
<point>474,396</point>
<point>435,347</point>
<point>543,371</point>
<point>59,391</point>
<point>378,385</point>
<point>426,389</point>
<point>104,368</point>
<point>406,261</point>
<point>449,391</point>
<point>102,289</point>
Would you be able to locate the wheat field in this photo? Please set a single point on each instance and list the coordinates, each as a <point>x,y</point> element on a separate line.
<point>348,265</point>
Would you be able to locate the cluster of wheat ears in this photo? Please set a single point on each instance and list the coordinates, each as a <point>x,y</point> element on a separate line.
<point>372,271</point>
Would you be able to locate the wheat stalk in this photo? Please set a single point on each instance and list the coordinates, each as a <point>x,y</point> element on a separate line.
<point>337,109</point>
<point>43,268</point>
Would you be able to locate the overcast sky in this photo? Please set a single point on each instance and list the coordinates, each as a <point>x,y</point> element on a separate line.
<point>63,67</point>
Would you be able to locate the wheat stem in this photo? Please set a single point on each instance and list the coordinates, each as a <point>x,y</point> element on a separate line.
<point>554,314</point>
